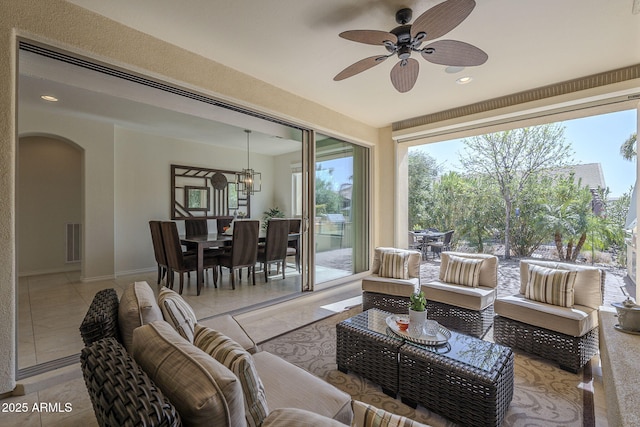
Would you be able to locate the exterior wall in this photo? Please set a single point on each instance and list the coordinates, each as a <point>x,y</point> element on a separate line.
<point>66,26</point>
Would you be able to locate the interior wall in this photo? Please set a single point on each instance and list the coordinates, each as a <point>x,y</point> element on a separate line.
<point>49,195</point>
<point>61,24</point>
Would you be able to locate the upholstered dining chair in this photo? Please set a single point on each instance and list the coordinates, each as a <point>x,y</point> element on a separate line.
<point>293,246</point>
<point>196,227</point>
<point>158,248</point>
<point>275,247</point>
<point>177,261</point>
<point>244,250</point>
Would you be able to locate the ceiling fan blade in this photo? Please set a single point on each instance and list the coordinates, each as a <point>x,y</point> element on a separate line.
<point>454,53</point>
<point>403,77</point>
<point>442,18</point>
<point>369,36</point>
<point>360,66</point>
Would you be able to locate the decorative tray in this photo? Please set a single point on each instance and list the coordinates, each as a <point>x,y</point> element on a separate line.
<point>440,338</point>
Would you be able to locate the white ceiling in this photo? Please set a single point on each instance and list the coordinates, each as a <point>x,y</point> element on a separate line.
<point>294,45</point>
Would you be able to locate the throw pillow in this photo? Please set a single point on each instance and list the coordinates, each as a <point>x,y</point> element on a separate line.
<point>240,362</point>
<point>137,307</point>
<point>365,415</point>
<point>394,265</point>
<point>463,271</point>
<point>177,312</point>
<point>551,286</point>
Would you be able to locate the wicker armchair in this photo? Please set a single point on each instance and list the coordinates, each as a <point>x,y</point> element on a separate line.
<point>566,335</point>
<point>388,293</point>
<point>464,307</point>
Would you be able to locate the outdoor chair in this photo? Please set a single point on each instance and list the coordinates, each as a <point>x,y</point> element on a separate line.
<point>389,288</point>
<point>555,314</point>
<point>462,297</point>
<point>438,247</point>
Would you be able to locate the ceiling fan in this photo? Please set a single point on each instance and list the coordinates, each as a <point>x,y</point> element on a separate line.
<point>408,38</point>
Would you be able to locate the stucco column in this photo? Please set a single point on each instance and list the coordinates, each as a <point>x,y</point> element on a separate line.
<point>401,195</point>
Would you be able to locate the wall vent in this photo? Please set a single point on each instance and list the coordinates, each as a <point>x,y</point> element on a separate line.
<point>73,242</point>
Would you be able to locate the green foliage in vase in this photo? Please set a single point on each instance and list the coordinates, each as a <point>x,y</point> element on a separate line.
<point>418,301</point>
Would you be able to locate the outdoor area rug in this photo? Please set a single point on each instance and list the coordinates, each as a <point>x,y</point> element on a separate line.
<point>544,394</point>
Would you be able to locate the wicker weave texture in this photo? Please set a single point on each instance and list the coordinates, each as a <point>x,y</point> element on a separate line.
<point>121,392</point>
<point>370,354</point>
<point>571,353</point>
<point>101,320</point>
<point>389,303</point>
<point>466,395</point>
<point>469,322</point>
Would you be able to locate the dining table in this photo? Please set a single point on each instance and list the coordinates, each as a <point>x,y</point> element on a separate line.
<point>215,240</point>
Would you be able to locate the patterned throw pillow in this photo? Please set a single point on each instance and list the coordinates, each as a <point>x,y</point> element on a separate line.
<point>394,265</point>
<point>240,362</point>
<point>463,271</point>
<point>550,285</point>
<point>177,312</point>
<point>365,415</point>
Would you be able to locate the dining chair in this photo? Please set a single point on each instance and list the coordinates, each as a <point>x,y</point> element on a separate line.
<point>158,248</point>
<point>196,227</point>
<point>275,246</point>
<point>293,246</point>
<point>223,222</point>
<point>177,261</point>
<point>439,246</point>
<point>244,250</point>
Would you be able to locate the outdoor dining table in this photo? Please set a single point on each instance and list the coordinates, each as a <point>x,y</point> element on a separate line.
<point>214,240</point>
<point>429,235</point>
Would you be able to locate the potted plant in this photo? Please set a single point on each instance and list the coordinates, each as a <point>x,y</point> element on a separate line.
<point>275,212</point>
<point>417,312</point>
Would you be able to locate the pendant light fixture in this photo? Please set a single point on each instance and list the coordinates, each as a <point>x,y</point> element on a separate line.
<point>248,181</point>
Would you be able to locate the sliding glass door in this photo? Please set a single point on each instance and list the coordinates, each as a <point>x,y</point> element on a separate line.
<point>341,221</point>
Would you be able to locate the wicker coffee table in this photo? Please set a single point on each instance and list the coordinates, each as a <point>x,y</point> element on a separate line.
<point>366,348</point>
<point>467,380</point>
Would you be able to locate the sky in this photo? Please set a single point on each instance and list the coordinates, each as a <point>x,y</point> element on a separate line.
<point>595,139</point>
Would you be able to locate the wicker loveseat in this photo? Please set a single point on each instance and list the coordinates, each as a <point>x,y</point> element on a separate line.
<point>388,293</point>
<point>464,305</point>
<point>152,375</point>
<point>568,334</point>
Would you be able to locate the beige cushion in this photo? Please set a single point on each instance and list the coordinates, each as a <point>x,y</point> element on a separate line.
<point>288,386</point>
<point>488,276</point>
<point>550,285</point>
<point>413,265</point>
<point>587,288</point>
<point>574,321</point>
<point>177,312</point>
<point>240,362</point>
<point>394,265</point>
<point>365,415</point>
<point>204,391</point>
<point>463,271</point>
<point>387,286</point>
<point>137,307</point>
<point>459,295</point>
<point>293,417</point>
<point>231,328</point>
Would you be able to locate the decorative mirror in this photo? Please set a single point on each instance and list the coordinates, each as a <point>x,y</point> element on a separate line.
<point>196,198</point>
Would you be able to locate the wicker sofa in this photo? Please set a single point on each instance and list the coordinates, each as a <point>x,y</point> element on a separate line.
<point>468,307</point>
<point>391,294</point>
<point>166,380</point>
<point>567,335</point>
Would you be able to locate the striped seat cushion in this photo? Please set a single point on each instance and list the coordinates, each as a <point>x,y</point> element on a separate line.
<point>177,312</point>
<point>394,265</point>
<point>365,415</point>
<point>463,271</point>
<point>240,362</point>
<point>551,286</point>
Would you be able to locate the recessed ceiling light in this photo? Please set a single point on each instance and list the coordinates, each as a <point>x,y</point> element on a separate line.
<point>464,80</point>
<point>49,98</point>
<point>453,70</point>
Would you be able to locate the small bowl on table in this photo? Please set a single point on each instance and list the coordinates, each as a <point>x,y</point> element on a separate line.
<point>402,322</point>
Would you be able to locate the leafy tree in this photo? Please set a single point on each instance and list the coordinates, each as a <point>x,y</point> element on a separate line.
<point>511,158</point>
<point>529,228</point>
<point>568,214</point>
<point>327,199</point>
<point>628,148</point>
<point>423,170</point>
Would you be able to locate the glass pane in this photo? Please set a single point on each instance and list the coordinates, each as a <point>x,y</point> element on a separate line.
<point>341,204</point>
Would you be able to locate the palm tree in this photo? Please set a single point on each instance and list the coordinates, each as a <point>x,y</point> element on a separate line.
<point>628,148</point>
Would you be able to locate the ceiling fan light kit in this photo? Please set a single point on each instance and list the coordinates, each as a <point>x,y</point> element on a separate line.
<point>405,39</point>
